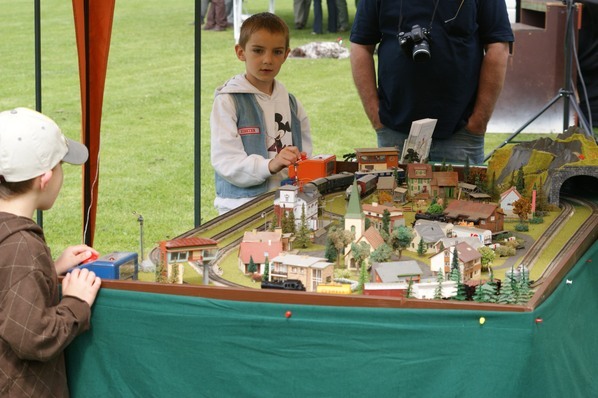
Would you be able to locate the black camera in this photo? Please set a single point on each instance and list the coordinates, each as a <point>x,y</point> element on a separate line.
<point>416,42</point>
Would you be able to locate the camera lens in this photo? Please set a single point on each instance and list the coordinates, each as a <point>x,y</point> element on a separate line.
<point>421,51</point>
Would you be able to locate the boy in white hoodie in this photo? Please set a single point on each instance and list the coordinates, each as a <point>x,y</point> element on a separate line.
<point>258,128</point>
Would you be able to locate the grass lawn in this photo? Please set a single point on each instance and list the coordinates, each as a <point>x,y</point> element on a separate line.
<point>147,149</point>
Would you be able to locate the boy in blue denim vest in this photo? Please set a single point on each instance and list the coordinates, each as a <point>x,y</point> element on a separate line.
<point>258,128</point>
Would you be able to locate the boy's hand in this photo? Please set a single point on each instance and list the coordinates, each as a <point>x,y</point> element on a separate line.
<point>81,283</point>
<point>286,157</point>
<point>72,256</point>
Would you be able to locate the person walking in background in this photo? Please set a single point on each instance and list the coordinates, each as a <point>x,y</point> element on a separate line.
<point>204,10</point>
<point>257,127</point>
<point>463,48</point>
<point>36,325</point>
<point>216,17</point>
<point>342,16</point>
<point>318,16</point>
<point>301,12</point>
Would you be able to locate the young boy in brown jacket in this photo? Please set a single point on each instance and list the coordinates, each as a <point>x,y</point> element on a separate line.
<point>35,323</point>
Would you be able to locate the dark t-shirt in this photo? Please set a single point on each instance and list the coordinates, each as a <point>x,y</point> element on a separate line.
<point>445,86</point>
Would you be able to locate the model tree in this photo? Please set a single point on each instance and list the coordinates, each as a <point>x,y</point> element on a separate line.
<point>302,239</point>
<point>400,238</point>
<point>409,292</point>
<point>274,222</point>
<point>340,239</point>
<point>386,221</point>
<point>360,252</point>
<point>508,290</point>
<point>251,267</point>
<point>381,254</point>
<point>266,274</point>
<point>520,181</point>
<point>455,269</point>
<point>420,248</point>
<point>522,209</point>
<point>438,290</point>
<point>488,256</point>
<point>330,251</point>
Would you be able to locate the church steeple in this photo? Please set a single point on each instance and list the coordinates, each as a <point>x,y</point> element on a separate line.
<point>354,217</point>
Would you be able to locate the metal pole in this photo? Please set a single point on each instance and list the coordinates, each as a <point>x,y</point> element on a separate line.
<point>38,77</point>
<point>197,129</point>
<point>140,219</point>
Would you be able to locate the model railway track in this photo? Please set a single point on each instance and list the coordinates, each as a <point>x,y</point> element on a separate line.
<point>533,252</point>
<point>587,228</point>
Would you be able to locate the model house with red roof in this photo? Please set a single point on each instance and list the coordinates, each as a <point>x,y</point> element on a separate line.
<point>444,184</point>
<point>482,215</point>
<point>259,246</point>
<point>507,198</point>
<point>375,212</point>
<point>194,250</point>
<point>419,178</point>
<point>470,261</point>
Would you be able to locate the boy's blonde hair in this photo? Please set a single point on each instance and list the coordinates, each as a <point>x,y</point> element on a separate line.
<point>266,21</point>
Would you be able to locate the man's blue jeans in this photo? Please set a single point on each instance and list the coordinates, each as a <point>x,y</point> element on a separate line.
<point>455,149</point>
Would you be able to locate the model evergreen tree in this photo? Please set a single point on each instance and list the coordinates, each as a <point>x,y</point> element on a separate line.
<point>291,222</point>
<point>455,262</point>
<point>508,292</point>
<point>478,295</point>
<point>409,292</point>
<point>420,248</point>
<point>302,239</point>
<point>520,182</point>
<point>266,274</point>
<point>274,222</point>
<point>438,290</point>
<point>492,191</point>
<point>541,201</point>
<point>461,291</point>
<point>386,220</point>
<point>251,267</point>
<point>488,293</point>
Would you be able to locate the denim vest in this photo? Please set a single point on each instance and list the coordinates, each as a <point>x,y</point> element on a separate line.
<point>250,115</point>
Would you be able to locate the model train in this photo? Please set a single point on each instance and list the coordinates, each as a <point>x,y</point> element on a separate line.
<point>366,184</point>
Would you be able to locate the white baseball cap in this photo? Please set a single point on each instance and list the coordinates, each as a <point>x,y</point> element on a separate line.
<point>32,144</point>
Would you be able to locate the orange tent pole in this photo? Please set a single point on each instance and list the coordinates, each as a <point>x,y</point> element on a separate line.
<point>93,27</point>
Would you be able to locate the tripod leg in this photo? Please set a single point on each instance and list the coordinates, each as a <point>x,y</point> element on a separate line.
<point>516,133</point>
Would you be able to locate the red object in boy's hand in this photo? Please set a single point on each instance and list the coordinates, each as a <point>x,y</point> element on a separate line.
<point>91,258</point>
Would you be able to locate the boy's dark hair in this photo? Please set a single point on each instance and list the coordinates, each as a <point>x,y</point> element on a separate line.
<point>266,21</point>
<point>10,189</point>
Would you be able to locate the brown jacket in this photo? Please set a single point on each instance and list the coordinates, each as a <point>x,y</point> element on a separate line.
<point>35,325</point>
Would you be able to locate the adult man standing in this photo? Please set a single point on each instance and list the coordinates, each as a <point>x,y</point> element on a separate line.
<point>463,47</point>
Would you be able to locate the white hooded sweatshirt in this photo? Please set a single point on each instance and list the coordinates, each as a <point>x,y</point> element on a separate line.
<point>228,155</point>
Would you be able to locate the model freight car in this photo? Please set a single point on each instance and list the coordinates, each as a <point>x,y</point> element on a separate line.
<point>366,184</point>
